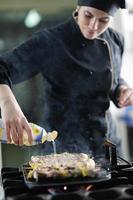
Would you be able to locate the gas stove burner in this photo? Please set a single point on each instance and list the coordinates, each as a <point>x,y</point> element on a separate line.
<point>118,187</point>
<point>69,189</point>
<point>62,190</point>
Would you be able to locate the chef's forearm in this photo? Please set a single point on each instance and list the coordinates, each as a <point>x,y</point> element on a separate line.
<point>6,94</point>
<point>13,118</point>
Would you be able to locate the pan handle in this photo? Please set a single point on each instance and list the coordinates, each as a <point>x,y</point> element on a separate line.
<point>111,154</point>
<point>112,157</point>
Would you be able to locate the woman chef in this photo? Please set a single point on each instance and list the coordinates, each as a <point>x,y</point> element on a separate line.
<point>80,61</point>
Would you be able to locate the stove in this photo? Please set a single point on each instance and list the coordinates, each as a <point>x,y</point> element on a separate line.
<point>118,187</point>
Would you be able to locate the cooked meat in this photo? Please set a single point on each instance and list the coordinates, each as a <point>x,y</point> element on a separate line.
<point>62,165</point>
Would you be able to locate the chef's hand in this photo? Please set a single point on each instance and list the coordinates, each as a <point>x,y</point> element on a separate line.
<point>125,96</point>
<point>13,118</point>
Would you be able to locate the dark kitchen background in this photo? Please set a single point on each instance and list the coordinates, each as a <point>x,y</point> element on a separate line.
<point>19,19</point>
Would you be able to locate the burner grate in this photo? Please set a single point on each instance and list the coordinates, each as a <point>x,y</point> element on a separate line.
<point>118,187</point>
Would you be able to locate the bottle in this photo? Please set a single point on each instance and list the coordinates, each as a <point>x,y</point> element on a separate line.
<point>39,135</point>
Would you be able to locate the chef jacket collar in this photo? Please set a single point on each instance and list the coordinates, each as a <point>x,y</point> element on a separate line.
<point>77,34</point>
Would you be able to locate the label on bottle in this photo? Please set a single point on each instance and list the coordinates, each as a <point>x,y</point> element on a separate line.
<point>39,135</point>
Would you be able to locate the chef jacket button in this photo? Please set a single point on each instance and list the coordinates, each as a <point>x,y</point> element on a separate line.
<point>83,44</point>
<point>108,71</point>
<point>89,115</point>
<point>91,138</point>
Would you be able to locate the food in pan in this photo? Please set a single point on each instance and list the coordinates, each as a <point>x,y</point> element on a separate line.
<point>63,165</point>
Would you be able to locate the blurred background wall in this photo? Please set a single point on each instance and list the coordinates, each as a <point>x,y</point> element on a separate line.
<point>19,19</point>
<point>124,117</point>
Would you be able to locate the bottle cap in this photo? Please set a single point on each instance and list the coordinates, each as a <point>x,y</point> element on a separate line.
<point>51,136</point>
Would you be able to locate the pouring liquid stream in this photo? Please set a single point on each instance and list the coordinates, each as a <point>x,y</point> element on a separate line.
<point>54,146</point>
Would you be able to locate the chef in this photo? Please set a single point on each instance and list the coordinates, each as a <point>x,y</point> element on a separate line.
<point>80,61</point>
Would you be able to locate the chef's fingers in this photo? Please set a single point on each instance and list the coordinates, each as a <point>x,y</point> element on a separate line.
<point>23,126</point>
<point>20,134</point>
<point>125,96</point>
<point>29,132</point>
<point>7,128</point>
<point>14,134</point>
<point>128,101</point>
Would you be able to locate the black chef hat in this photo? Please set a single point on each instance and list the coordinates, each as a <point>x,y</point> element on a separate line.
<point>108,6</point>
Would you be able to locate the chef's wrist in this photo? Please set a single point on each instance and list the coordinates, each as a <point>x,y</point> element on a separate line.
<point>123,87</point>
<point>7,97</point>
